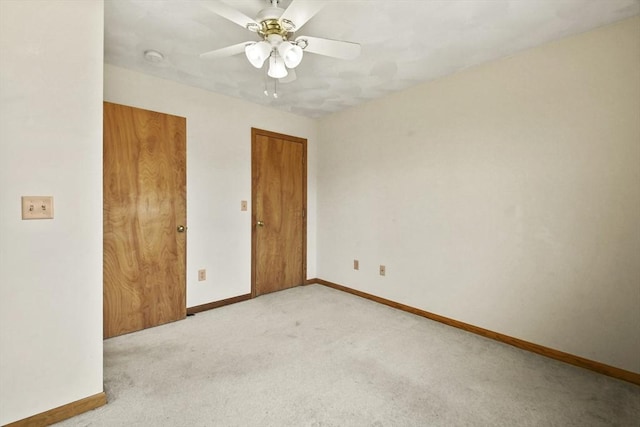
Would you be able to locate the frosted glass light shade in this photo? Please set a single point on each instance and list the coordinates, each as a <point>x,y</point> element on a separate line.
<point>291,53</point>
<point>257,53</point>
<point>277,70</point>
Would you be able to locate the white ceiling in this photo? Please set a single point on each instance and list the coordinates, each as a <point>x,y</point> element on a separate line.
<point>403,43</point>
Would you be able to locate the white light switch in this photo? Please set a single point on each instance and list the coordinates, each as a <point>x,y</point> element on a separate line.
<point>37,207</point>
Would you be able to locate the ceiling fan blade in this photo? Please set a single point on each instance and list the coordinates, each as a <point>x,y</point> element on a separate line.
<point>300,11</point>
<point>231,14</point>
<point>225,51</point>
<point>336,48</point>
<point>291,76</point>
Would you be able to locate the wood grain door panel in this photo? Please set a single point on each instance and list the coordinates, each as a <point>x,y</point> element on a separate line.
<point>144,186</point>
<point>279,203</point>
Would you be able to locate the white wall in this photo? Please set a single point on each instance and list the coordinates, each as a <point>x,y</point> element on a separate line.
<point>50,144</point>
<point>218,175</point>
<point>506,196</point>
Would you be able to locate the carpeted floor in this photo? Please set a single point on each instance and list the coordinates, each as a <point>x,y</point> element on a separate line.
<point>314,356</point>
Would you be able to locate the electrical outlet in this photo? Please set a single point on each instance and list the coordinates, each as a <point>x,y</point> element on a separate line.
<point>202,275</point>
<point>383,270</point>
<point>356,264</point>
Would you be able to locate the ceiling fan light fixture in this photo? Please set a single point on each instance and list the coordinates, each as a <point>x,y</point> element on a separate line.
<point>275,26</point>
<point>257,53</point>
<point>291,53</point>
<point>277,70</point>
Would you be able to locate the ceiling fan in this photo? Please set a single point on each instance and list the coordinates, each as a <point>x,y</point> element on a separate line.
<point>276,27</point>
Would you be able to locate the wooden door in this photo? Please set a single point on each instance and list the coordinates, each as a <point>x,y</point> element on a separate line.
<point>144,184</point>
<point>279,199</point>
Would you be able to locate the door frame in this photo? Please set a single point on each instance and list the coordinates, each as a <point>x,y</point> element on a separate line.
<point>254,133</point>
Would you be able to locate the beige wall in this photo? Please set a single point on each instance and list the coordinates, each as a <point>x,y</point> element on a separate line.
<point>50,144</point>
<point>218,175</point>
<point>506,196</point>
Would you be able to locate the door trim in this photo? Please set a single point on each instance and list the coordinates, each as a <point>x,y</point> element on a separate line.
<point>254,133</point>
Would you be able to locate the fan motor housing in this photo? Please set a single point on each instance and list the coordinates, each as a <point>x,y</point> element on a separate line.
<point>272,26</point>
<point>270,23</point>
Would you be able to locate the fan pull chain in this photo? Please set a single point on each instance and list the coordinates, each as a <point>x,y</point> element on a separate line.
<point>275,88</point>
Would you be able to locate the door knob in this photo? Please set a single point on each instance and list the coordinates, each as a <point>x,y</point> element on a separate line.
<point>260,224</point>
<point>181,228</point>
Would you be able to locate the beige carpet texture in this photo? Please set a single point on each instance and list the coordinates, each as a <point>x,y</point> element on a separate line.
<point>315,356</point>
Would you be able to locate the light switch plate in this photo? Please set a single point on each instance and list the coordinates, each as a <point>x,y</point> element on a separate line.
<point>37,207</point>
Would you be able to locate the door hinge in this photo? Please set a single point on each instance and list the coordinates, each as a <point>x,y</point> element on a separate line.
<point>304,213</point>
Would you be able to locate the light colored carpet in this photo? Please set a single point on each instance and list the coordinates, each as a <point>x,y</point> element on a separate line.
<point>314,356</point>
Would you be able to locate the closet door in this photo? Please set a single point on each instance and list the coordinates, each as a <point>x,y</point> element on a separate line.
<point>144,186</point>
